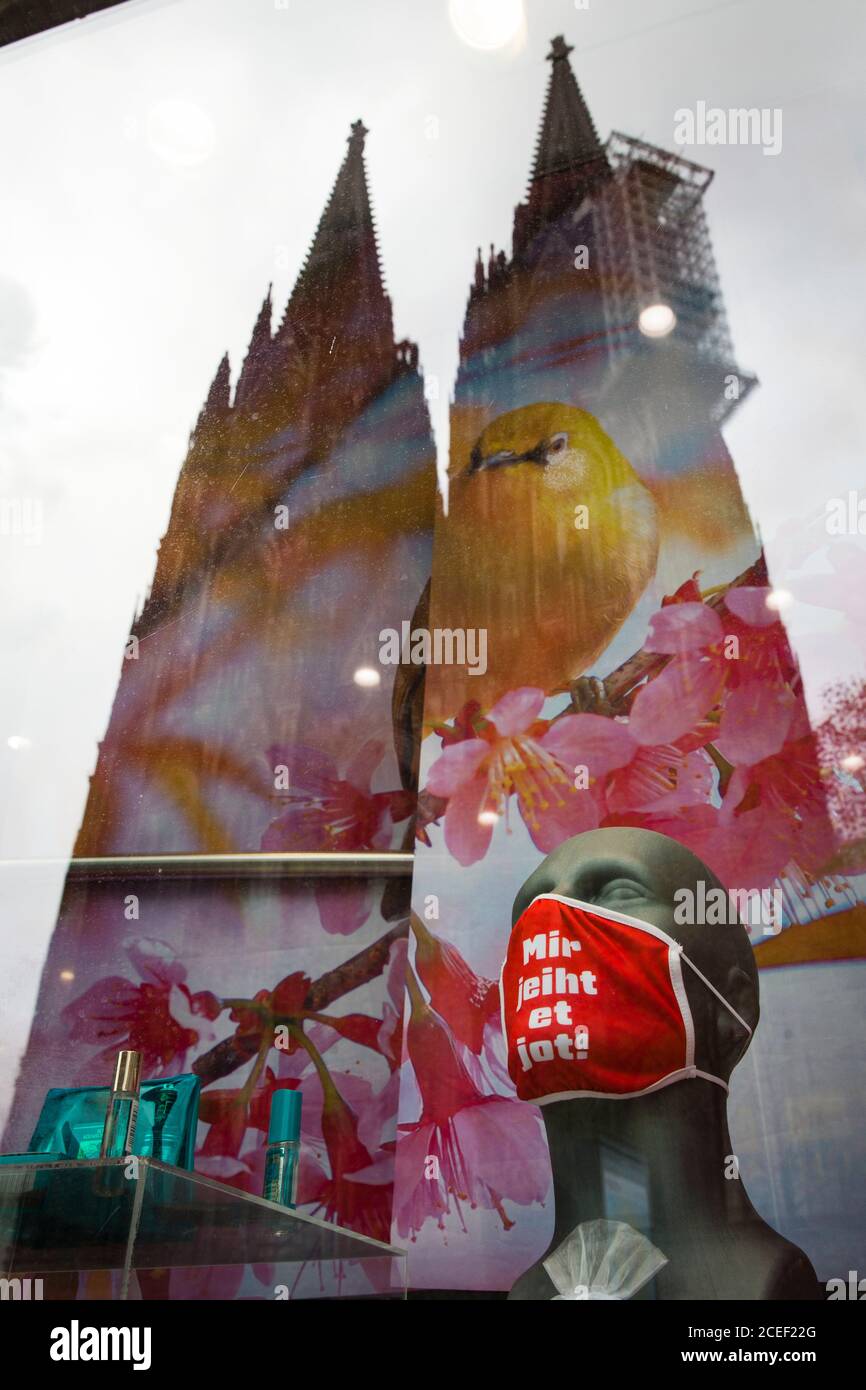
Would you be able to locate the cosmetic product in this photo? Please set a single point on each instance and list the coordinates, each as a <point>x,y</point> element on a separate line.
<point>72,1121</point>
<point>164,1101</point>
<point>168,1119</point>
<point>119,1132</point>
<point>284,1146</point>
<point>175,1122</point>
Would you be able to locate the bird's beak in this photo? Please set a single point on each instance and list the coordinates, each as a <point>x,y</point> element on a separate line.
<point>479,463</point>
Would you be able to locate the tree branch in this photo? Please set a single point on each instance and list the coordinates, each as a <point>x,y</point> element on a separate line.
<point>233,1052</point>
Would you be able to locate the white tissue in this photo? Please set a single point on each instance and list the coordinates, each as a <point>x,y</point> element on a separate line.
<point>603,1260</point>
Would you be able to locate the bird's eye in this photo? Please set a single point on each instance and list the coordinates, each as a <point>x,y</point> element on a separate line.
<point>557,443</point>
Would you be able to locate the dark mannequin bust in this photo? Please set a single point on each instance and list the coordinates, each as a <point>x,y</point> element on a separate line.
<point>673,1144</point>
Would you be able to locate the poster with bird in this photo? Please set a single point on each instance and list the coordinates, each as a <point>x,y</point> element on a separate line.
<point>603,646</point>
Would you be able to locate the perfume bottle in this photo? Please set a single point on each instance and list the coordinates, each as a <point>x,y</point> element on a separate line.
<point>119,1132</point>
<point>284,1145</point>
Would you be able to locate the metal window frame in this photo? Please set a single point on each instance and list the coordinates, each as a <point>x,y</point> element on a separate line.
<point>391,864</point>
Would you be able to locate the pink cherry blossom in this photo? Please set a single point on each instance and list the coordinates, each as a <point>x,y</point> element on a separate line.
<point>327,812</point>
<point>160,1018</point>
<point>629,776</point>
<point>742,666</point>
<point>466,1146</point>
<point>516,754</point>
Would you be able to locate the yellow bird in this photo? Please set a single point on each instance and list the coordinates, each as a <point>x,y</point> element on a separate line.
<point>549,541</point>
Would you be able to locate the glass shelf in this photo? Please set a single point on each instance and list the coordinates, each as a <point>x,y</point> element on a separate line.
<point>118,1229</point>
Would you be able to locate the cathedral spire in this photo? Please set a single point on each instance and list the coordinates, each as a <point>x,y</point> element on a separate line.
<point>569,156</point>
<point>218,395</point>
<point>256,363</point>
<point>568,135</point>
<point>217,401</point>
<point>342,269</point>
<point>479,273</point>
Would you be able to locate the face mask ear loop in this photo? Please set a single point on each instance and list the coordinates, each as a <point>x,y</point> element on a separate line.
<point>730,1008</point>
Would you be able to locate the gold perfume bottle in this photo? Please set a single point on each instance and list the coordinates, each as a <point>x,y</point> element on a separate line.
<point>119,1132</point>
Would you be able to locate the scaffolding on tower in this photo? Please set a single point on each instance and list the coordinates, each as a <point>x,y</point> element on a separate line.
<point>655,248</point>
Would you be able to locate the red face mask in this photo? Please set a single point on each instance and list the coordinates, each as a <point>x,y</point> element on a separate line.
<point>593,1004</point>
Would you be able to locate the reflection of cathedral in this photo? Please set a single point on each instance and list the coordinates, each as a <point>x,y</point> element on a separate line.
<point>311,483</point>
<point>610,302</point>
<point>607,231</point>
<point>301,525</point>
<point>298,389</point>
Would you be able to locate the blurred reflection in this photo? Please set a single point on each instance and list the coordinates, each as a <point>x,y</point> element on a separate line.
<point>252,713</point>
<point>487,24</point>
<point>299,528</point>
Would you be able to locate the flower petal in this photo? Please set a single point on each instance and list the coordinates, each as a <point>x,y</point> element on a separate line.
<point>516,710</point>
<point>458,763</point>
<point>593,740</point>
<point>343,907</point>
<point>299,828</point>
<point>310,769</point>
<point>683,627</point>
<point>503,1151</point>
<point>750,605</point>
<point>578,812</point>
<point>677,700</point>
<point>661,778</point>
<point>360,770</point>
<point>755,721</point>
<point>156,960</point>
<point>465,836</point>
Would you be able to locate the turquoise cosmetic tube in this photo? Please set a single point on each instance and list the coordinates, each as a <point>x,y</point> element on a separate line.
<point>284,1147</point>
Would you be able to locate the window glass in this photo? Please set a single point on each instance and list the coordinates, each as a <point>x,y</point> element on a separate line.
<point>431,474</point>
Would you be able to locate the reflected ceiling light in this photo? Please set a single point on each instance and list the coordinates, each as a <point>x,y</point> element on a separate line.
<point>488,818</point>
<point>487,24</point>
<point>853,762</point>
<point>67,976</point>
<point>657,320</point>
<point>778,599</point>
<point>180,132</point>
<point>367,677</point>
<point>17,742</point>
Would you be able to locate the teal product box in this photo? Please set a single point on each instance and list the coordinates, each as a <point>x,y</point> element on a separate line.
<point>72,1120</point>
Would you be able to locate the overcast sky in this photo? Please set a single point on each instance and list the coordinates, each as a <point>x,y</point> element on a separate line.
<point>163,162</point>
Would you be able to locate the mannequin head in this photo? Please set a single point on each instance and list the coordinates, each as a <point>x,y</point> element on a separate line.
<point>673,1140</point>
<point>640,873</point>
